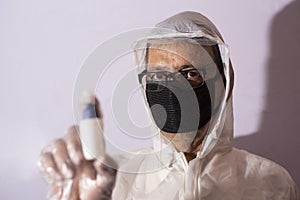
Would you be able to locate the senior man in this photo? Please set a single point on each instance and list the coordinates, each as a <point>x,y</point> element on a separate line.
<point>187,79</point>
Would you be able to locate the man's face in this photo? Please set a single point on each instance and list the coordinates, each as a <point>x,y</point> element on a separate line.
<point>178,56</point>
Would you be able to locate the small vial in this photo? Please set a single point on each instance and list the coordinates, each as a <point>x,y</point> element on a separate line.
<point>91,132</point>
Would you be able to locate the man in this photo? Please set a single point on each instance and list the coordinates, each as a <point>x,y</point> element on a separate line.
<point>188,80</point>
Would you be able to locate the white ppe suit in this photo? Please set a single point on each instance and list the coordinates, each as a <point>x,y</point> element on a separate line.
<point>219,170</point>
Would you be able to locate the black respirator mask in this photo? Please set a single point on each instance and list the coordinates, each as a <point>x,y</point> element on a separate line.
<point>177,109</point>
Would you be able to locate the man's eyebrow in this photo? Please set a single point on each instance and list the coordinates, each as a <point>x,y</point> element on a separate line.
<point>158,67</point>
<point>182,67</point>
<point>179,68</point>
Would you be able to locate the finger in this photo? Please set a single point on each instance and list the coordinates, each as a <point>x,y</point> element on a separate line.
<point>87,184</point>
<point>49,169</point>
<point>88,171</point>
<point>67,190</point>
<point>106,171</point>
<point>55,192</point>
<point>73,144</point>
<point>74,193</point>
<point>62,160</point>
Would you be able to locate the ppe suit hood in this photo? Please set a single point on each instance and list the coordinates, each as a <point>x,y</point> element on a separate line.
<point>190,22</point>
<point>192,25</point>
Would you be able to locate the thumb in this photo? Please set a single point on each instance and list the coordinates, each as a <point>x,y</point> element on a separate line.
<point>106,171</point>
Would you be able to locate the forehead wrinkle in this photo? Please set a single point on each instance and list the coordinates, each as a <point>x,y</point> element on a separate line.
<point>159,59</point>
<point>177,53</point>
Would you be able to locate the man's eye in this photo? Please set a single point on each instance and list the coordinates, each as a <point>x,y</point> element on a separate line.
<point>156,77</point>
<point>193,74</point>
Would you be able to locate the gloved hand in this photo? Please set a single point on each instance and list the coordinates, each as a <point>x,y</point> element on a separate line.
<point>70,176</point>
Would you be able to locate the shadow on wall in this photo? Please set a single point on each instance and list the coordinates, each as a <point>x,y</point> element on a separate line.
<point>278,137</point>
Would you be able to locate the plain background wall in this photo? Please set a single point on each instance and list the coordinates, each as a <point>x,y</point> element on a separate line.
<point>43,43</point>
